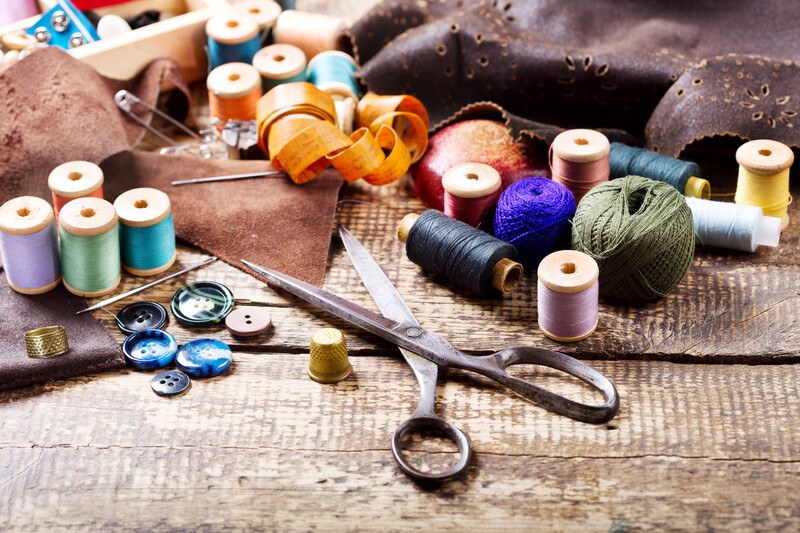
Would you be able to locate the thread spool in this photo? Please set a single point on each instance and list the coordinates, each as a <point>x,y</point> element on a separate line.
<point>266,12</point>
<point>232,38</point>
<point>146,231</point>
<point>764,177</point>
<point>280,63</point>
<point>567,295</point>
<point>470,192</point>
<point>311,32</point>
<point>579,160</point>
<point>682,175</point>
<point>233,91</point>
<point>90,254</point>
<point>75,179</point>
<point>641,234</point>
<point>334,72</point>
<point>534,215</point>
<point>733,226</point>
<point>460,254</point>
<point>29,245</point>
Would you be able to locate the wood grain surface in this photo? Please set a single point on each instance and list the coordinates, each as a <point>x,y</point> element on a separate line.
<point>694,446</point>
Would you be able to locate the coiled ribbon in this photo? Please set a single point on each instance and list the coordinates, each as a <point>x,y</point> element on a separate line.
<point>297,130</point>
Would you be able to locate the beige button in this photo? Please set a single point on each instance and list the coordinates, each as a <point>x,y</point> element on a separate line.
<point>248,321</point>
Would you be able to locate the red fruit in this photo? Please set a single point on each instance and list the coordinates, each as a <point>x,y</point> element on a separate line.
<point>471,141</point>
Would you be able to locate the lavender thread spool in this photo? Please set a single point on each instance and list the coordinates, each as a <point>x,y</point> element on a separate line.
<point>29,245</point>
<point>567,295</point>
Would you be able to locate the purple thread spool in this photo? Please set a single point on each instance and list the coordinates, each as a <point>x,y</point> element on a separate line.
<point>29,245</point>
<point>567,295</point>
<point>533,215</point>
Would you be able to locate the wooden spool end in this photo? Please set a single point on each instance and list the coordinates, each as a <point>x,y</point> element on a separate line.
<point>471,180</point>
<point>266,12</point>
<point>764,156</point>
<point>231,27</point>
<point>25,215</point>
<point>233,80</point>
<point>87,217</point>
<point>568,271</point>
<point>280,61</point>
<point>405,226</point>
<point>506,276</point>
<point>581,146</point>
<point>95,294</point>
<point>75,179</point>
<point>143,207</point>
<point>698,188</point>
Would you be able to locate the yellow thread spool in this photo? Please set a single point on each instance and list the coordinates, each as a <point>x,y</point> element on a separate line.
<point>764,177</point>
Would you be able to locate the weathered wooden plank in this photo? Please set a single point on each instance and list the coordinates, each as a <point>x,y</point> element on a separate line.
<point>694,446</point>
<point>710,411</point>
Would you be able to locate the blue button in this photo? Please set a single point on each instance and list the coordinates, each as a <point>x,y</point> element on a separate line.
<point>150,349</point>
<point>204,358</point>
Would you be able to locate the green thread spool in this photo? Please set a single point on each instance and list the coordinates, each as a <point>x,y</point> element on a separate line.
<point>640,232</point>
<point>90,257</point>
<point>146,231</point>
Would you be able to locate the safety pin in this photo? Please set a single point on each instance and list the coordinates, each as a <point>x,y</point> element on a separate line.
<point>126,100</point>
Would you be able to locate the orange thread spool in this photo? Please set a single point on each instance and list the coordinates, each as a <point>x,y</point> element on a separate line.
<point>75,179</point>
<point>233,91</point>
<point>579,160</point>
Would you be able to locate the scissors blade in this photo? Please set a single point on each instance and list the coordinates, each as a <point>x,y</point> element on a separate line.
<point>391,305</point>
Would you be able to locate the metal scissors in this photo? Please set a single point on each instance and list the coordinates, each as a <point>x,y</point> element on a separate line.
<point>425,351</point>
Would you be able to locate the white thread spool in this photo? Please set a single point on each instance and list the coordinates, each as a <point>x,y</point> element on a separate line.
<point>733,226</point>
<point>266,12</point>
<point>568,295</point>
<point>280,63</point>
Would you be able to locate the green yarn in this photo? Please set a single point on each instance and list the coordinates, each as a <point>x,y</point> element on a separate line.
<point>641,234</point>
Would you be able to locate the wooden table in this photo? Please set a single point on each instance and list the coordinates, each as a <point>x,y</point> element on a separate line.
<point>694,446</point>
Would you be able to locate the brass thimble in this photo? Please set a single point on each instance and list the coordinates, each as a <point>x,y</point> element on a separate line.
<point>50,341</point>
<point>329,362</point>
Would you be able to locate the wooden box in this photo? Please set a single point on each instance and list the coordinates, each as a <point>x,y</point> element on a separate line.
<point>181,37</point>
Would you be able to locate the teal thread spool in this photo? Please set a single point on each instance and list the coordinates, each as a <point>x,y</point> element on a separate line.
<point>280,63</point>
<point>266,12</point>
<point>334,72</point>
<point>90,258</point>
<point>232,38</point>
<point>146,231</point>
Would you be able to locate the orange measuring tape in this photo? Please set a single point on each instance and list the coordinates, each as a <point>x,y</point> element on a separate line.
<point>297,130</point>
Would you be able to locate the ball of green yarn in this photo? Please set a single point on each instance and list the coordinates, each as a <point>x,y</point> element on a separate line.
<point>640,232</point>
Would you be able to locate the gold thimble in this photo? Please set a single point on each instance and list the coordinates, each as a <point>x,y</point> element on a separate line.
<point>50,341</point>
<point>329,363</point>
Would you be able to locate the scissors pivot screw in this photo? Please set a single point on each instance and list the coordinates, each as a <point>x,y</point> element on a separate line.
<point>413,332</point>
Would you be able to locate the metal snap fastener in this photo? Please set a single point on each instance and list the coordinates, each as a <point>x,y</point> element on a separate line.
<point>59,21</point>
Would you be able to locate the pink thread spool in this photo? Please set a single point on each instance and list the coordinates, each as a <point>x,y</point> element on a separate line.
<point>567,295</point>
<point>579,160</point>
<point>470,192</point>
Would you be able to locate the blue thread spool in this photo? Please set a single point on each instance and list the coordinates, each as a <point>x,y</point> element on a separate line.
<point>147,232</point>
<point>683,175</point>
<point>280,63</point>
<point>232,38</point>
<point>334,73</point>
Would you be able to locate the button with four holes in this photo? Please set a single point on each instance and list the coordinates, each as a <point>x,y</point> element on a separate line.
<point>140,316</point>
<point>247,321</point>
<point>202,304</point>
<point>170,383</point>
<point>150,349</point>
<point>204,358</point>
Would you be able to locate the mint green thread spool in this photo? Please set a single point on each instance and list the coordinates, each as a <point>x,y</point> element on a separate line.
<point>146,232</point>
<point>90,257</point>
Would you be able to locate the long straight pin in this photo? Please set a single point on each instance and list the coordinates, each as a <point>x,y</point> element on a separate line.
<point>146,286</point>
<point>267,174</point>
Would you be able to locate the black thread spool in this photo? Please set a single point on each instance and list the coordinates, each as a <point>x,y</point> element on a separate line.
<point>461,254</point>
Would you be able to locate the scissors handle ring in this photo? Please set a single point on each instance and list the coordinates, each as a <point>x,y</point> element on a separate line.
<point>428,422</point>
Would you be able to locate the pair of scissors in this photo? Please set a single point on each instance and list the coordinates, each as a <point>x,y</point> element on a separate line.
<point>425,351</point>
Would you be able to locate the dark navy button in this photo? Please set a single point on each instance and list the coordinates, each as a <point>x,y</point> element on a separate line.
<point>202,303</point>
<point>204,358</point>
<point>150,349</point>
<point>140,316</point>
<point>170,383</point>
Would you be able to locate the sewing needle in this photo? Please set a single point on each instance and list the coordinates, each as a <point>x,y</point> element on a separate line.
<point>267,174</point>
<point>146,286</point>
